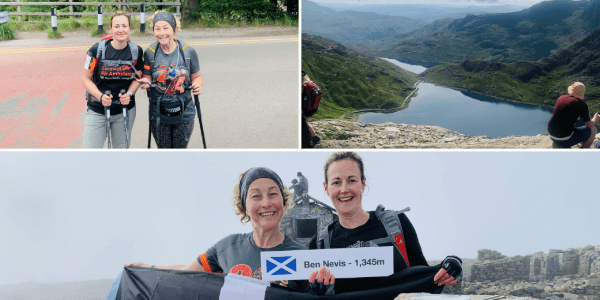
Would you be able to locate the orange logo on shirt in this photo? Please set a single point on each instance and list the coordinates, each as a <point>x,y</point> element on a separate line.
<point>241,269</point>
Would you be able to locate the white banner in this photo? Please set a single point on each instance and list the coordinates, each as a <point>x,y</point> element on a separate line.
<point>343,263</point>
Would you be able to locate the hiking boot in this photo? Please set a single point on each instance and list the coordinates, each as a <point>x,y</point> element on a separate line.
<point>316,139</point>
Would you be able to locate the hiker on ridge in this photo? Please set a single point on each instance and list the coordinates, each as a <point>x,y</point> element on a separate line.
<point>311,96</point>
<point>570,108</point>
<point>108,68</point>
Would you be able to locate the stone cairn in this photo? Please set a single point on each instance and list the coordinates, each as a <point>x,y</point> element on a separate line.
<point>571,274</point>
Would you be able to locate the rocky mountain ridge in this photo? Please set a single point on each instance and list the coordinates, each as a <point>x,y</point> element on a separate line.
<point>570,274</point>
<point>350,135</point>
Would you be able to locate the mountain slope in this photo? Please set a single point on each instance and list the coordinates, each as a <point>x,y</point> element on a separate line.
<point>537,82</point>
<point>530,34</point>
<point>352,27</point>
<point>350,80</point>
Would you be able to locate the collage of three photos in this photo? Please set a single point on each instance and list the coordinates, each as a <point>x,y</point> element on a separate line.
<point>269,149</point>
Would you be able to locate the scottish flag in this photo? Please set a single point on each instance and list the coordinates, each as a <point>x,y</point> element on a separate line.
<point>282,265</point>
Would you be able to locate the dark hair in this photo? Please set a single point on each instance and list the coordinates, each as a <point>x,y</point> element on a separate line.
<point>119,14</point>
<point>345,155</point>
<point>299,174</point>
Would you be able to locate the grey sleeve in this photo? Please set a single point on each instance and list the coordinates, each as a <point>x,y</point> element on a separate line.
<point>194,62</point>
<point>209,260</point>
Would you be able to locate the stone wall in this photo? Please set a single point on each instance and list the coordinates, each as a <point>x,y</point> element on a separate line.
<point>500,267</point>
<point>305,211</point>
<point>571,274</point>
<point>492,265</point>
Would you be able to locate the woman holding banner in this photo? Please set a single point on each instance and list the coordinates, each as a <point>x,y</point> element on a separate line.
<point>344,184</point>
<point>261,198</point>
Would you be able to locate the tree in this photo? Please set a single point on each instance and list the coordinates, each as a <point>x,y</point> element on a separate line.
<point>292,6</point>
<point>189,7</point>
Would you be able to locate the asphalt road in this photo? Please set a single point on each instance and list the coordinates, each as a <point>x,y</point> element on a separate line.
<point>250,96</point>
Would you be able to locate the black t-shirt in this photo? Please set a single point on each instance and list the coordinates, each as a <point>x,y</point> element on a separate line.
<point>566,112</point>
<point>115,86</point>
<point>373,229</point>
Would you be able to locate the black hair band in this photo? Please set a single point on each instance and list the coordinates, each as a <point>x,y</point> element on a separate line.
<point>167,17</point>
<point>255,173</point>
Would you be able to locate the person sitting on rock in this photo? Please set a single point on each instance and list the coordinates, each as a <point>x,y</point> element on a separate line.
<point>570,108</point>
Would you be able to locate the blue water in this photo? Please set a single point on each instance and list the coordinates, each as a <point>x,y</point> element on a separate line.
<point>413,68</point>
<point>466,113</point>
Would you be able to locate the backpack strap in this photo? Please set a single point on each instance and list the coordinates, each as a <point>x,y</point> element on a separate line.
<point>391,223</point>
<point>185,51</point>
<point>99,55</point>
<point>324,237</point>
<point>153,47</point>
<point>101,49</point>
<point>134,52</point>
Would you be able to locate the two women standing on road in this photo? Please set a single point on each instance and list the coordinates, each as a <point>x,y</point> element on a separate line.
<point>171,69</point>
<point>111,67</point>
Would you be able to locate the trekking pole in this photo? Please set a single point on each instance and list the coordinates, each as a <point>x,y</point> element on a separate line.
<point>149,123</point>
<point>107,119</point>
<point>197,102</point>
<point>126,116</point>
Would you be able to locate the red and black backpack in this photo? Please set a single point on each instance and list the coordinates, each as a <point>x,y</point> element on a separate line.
<point>311,96</point>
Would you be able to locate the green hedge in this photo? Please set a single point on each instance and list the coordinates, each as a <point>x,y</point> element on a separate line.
<point>249,9</point>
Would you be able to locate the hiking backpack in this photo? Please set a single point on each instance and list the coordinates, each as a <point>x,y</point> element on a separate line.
<point>393,228</point>
<point>311,96</point>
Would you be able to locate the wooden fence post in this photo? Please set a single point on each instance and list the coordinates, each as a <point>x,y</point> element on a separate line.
<point>19,11</point>
<point>71,9</point>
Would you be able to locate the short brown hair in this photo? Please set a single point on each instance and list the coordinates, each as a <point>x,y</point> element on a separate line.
<point>119,14</point>
<point>345,155</point>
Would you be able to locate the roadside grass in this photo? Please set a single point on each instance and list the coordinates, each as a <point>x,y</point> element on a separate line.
<point>90,23</point>
<point>7,32</point>
<point>240,21</point>
<point>54,34</point>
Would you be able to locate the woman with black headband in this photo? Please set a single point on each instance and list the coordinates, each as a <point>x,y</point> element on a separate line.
<point>261,198</point>
<point>171,69</point>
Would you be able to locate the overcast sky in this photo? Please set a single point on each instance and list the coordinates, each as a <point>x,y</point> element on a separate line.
<point>71,216</point>
<point>451,2</point>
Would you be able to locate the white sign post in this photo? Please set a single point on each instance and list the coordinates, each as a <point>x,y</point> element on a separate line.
<point>343,263</point>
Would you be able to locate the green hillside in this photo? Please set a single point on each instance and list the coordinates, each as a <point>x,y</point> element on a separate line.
<point>350,80</point>
<point>527,35</point>
<point>540,82</point>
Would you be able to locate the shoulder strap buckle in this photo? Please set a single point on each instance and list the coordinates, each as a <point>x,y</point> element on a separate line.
<point>393,228</point>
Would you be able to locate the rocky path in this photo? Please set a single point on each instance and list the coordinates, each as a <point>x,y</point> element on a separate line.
<point>345,134</point>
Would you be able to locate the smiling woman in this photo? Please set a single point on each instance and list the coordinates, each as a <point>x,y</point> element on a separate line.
<point>171,69</point>
<point>261,198</point>
<point>345,183</point>
<point>110,69</point>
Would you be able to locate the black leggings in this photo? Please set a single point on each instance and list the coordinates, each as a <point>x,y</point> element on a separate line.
<point>172,135</point>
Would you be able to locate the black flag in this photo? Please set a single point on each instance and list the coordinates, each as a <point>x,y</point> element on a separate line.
<point>144,283</point>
